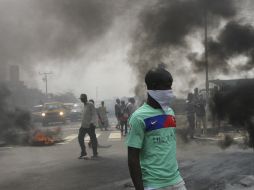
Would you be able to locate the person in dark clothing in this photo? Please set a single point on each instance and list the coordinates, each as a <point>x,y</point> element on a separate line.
<point>88,125</point>
<point>216,101</point>
<point>118,112</point>
<point>131,106</point>
<point>190,111</point>
<point>123,117</point>
<point>201,115</point>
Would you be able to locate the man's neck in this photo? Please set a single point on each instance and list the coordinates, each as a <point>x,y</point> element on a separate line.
<point>151,102</point>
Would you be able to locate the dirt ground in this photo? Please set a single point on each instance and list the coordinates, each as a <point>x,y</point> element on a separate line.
<point>205,165</point>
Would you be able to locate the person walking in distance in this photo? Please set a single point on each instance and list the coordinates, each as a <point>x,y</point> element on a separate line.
<point>190,112</point>
<point>123,118</point>
<point>118,112</point>
<point>88,125</point>
<point>103,118</point>
<point>131,106</point>
<point>96,125</point>
<point>151,140</point>
<point>201,115</point>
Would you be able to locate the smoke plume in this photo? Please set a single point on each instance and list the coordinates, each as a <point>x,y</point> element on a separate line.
<point>33,30</point>
<point>161,35</point>
<point>236,105</point>
<point>235,39</point>
<point>12,121</point>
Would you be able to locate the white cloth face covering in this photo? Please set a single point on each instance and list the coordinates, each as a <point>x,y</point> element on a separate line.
<point>163,97</point>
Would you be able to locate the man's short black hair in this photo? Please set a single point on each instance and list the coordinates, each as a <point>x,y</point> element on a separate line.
<point>190,96</point>
<point>83,96</point>
<point>157,76</point>
<point>91,100</point>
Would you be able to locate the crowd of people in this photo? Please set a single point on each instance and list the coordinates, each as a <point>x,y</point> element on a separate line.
<point>151,138</point>
<point>97,117</point>
<point>122,112</point>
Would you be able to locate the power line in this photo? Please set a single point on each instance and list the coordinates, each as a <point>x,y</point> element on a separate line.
<point>45,79</point>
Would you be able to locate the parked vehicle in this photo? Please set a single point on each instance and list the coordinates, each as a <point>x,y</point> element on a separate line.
<point>36,113</point>
<point>76,113</point>
<point>68,107</point>
<point>53,112</point>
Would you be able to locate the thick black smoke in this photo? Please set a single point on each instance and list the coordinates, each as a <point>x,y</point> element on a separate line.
<point>235,39</point>
<point>163,28</point>
<point>35,30</point>
<point>12,121</point>
<point>236,104</point>
<point>170,21</point>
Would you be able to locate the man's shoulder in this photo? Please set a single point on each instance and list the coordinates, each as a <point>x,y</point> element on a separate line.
<point>117,106</point>
<point>171,112</point>
<point>91,105</point>
<point>137,118</point>
<point>142,112</point>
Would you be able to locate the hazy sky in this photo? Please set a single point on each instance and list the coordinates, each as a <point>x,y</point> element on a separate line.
<point>86,44</point>
<point>104,67</point>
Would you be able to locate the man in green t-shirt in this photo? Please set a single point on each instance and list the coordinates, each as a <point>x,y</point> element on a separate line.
<point>151,141</point>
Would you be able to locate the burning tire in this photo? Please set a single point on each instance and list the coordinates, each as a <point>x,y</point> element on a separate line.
<point>40,138</point>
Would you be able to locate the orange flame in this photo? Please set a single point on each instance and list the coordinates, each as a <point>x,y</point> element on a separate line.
<point>41,138</point>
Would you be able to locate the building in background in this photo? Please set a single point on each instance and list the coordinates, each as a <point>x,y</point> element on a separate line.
<point>14,75</point>
<point>3,73</point>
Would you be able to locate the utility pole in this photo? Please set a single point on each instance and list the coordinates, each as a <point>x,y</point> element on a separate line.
<point>206,56</point>
<point>45,79</point>
<point>96,93</point>
<point>206,62</point>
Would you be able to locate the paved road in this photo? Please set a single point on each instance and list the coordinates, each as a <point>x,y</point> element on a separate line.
<point>57,166</point>
<point>203,165</point>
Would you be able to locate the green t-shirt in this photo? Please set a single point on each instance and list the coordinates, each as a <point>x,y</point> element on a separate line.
<point>153,132</point>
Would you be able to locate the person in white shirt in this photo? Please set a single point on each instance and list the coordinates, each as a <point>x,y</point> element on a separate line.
<point>103,118</point>
<point>88,125</point>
